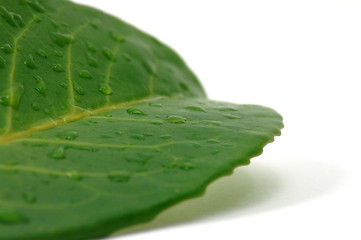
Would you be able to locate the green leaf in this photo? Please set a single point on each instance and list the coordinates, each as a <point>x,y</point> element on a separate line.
<point>102,126</point>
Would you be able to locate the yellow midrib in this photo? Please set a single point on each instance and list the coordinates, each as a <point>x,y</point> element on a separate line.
<point>9,137</point>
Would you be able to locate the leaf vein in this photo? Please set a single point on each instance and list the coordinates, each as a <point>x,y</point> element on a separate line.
<point>69,67</point>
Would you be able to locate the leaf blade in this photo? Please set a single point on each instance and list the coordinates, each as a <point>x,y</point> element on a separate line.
<point>136,170</point>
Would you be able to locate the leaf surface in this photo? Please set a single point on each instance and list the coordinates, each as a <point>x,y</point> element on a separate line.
<point>102,126</point>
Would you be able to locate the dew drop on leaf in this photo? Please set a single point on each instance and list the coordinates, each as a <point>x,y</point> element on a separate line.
<point>2,62</point>
<point>93,62</point>
<point>139,137</point>
<point>156,123</point>
<point>95,23</point>
<point>34,4</point>
<point>149,67</point>
<point>7,48</point>
<point>175,119</point>
<point>186,166</point>
<point>41,53</point>
<point>119,177</point>
<point>126,57</point>
<point>108,54</point>
<point>184,86</point>
<point>12,18</point>
<point>210,122</point>
<point>30,62</point>
<point>5,100</point>
<point>85,74</point>
<point>58,153</point>
<point>18,90</point>
<point>78,89</point>
<point>40,84</point>
<point>68,135</point>
<point>35,106</point>
<point>74,175</point>
<point>105,89</point>
<point>119,133</point>
<point>213,141</point>
<point>11,217</point>
<point>62,39</point>
<point>116,37</point>
<point>196,108</point>
<point>135,111</point>
<point>155,104</point>
<point>226,109</point>
<point>91,47</point>
<point>229,116</point>
<point>29,197</point>
<point>166,136</point>
<point>58,68</point>
<point>58,53</point>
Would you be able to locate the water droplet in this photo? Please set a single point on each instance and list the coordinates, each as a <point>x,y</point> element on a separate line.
<point>47,111</point>
<point>55,23</point>
<point>74,175</point>
<point>157,123</point>
<point>149,67</point>
<point>213,141</point>
<point>136,111</point>
<point>226,109</point>
<point>12,18</point>
<point>196,145</point>
<point>95,23</point>
<point>41,53</point>
<point>119,177</point>
<point>5,100</point>
<point>35,106</point>
<point>210,122</point>
<point>196,108</point>
<point>7,48</point>
<point>29,62</point>
<point>29,197</point>
<point>166,136</point>
<point>229,116</point>
<point>108,54</point>
<point>126,57</point>
<point>68,135</point>
<point>175,119</point>
<point>2,62</point>
<point>119,133</point>
<point>37,19</point>
<point>155,105</point>
<point>105,89</point>
<point>116,37</point>
<point>139,137</point>
<point>58,68</point>
<point>58,53</point>
<point>93,62</point>
<point>58,153</point>
<point>63,85</point>
<point>91,47</point>
<point>184,86</point>
<point>186,166</point>
<point>18,90</point>
<point>10,217</point>
<point>78,89</point>
<point>40,86</point>
<point>34,4</point>
<point>85,74</point>
<point>62,39</point>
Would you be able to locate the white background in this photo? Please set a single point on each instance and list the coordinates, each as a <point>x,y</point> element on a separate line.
<point>300,57</point>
